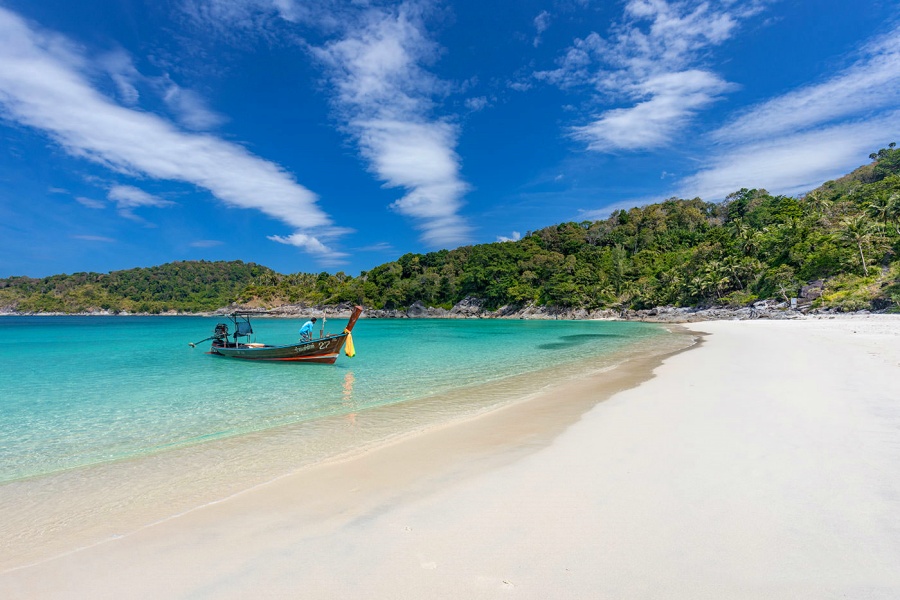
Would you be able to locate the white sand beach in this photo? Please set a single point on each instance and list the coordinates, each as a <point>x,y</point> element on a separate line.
<point>764,463</point>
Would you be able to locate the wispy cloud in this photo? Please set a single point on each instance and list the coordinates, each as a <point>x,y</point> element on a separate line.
<point>226,17</point>
<point>90,202</point>
<point>872,83</point>
<point>541,24</point>
<point>44,85</point>
<point>376,58</point>
<point>672,100</point>
<point>301,240</point>
<point>121,70</point>
<point>478,103</point>
<point>791,163</point>
<point>190,108</point>
<point>315,245</point>
<point>94,238</point>
<point>127,198</point>
<point>793,142</point>
<point>206,243</point>
<point>377,247</point>
<point>513,237</point>
<point>383,94</point>
<point>187,106</point>
<point>651,61</point>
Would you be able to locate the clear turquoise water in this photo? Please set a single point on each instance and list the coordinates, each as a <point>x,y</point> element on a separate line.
<point>86,390</point>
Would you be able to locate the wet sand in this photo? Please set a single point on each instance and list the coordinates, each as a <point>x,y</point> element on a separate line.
<point>763,463</point>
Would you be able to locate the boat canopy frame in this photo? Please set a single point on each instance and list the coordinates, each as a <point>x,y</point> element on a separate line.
<point>241,321</point>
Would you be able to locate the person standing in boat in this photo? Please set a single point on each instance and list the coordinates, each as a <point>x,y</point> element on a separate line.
<point>306,330</point>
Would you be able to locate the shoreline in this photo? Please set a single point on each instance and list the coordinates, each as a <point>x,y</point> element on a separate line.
<point>762,463</point>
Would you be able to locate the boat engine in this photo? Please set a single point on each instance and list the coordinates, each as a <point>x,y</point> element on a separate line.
<point>221,331</point>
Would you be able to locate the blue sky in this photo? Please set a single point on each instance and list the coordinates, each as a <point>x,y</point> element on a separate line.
<point>337,135</point>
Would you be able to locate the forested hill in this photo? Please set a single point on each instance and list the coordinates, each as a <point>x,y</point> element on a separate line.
<point>843,237</point>
<point>184,286</point>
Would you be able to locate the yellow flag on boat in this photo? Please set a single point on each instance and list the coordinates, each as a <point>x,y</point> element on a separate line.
<point>349,350</point>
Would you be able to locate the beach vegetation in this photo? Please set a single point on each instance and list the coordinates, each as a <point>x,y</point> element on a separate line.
<point>848,292</point>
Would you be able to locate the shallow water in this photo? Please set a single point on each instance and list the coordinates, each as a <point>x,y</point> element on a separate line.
<point>78,391</point>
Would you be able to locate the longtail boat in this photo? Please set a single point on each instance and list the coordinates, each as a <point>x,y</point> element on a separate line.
<point>324,349</point>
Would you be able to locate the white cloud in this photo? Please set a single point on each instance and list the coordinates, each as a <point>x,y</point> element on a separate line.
<point>792,143</point>
<point>384,95</point>
<point>227,16</point>
<point>478,103</point>
<point>316,244</point>
<point>190,108</point>
<point>673,99</point>
<point>289,10</point>
<point>187,106</point>
<point>576,67</point>
<point>515,236</point>
<point>302,240</point>
<point>377,247</point>
<point>124,74</point>
<point>43,85</point>
<point>325,256</point>
<point>872,83</point>
<point>376,60</point>
<point>206,243</point>
<point>651,62</point>
<point>792,163</point>
<point>541,24</point>
<point>127,198</point>
<point>90,202</point>
<point>94,238</point>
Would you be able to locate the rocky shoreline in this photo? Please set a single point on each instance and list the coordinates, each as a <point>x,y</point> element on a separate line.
<point>473,308</point>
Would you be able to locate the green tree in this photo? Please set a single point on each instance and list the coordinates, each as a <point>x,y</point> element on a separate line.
<point>858,232</point>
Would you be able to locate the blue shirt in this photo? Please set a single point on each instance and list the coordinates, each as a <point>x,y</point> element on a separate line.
<point>306,330</point>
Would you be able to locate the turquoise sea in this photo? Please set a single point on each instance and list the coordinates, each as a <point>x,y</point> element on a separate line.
<point>82,390</point>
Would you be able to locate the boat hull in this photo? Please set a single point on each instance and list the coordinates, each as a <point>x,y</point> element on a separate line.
<point>324,350</point>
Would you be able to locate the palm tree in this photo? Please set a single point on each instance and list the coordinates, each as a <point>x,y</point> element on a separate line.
<point>893,210</point>
<point>819,203</point>
<point>880,207</point>
<point>858,230</point>
<point>747,237</point>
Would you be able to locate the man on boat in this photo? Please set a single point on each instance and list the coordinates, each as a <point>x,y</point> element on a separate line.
<point>306,330</point>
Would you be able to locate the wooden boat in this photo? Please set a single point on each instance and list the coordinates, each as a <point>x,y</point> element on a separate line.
<point>324,349</point>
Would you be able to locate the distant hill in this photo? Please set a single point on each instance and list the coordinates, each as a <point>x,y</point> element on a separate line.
<point>187,286</point>
<point>837,246</point>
